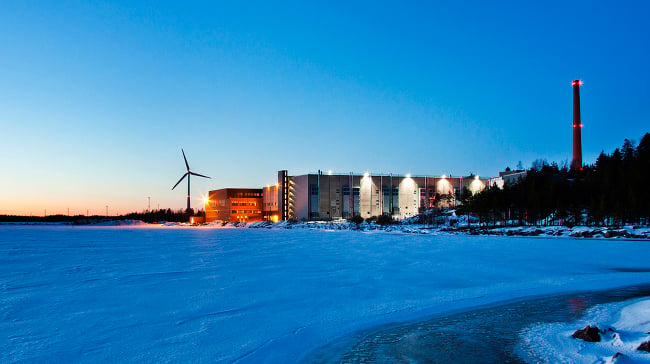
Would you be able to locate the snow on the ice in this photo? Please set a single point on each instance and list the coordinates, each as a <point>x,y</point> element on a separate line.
<point>452,224</point>
<point>185,294</point>
<point>624,326</point>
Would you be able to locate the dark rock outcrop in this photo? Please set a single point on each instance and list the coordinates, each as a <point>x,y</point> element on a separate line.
<point>645,346</point>
<point>590,334</point>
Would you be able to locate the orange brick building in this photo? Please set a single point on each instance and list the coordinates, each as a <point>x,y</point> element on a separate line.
<point>234,204</point>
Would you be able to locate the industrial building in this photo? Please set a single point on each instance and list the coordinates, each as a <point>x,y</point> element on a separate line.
<point>234,204</point>
<point>509,177</point>
<point>328,196</point>
<point>270,205</point>
<point>325,196</point>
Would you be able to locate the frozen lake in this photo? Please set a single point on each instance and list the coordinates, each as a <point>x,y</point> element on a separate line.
<point>154,294</point>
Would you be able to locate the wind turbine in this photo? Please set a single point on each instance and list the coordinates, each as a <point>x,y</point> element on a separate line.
<point>188,174</point>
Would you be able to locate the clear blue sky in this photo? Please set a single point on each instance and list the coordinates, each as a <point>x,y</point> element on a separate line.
<point>98,98</point>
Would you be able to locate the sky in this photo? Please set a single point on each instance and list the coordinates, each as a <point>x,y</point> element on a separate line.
<point>98,98</point>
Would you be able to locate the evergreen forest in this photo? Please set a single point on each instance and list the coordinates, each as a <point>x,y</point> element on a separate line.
<point>611,192</point>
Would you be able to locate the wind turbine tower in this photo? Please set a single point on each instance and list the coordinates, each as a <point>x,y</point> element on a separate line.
<point>188,174</point>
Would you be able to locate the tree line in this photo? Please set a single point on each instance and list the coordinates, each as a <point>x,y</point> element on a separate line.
<point>613,191</point>
<point>181,215</point>
<point>161,215</point>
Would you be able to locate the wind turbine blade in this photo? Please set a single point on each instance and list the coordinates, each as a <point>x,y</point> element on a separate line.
<point>200,175</point>
<point>186,164</point>
<point>179,181</point>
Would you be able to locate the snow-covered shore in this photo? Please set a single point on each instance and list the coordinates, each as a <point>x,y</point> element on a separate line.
<point>629,232</point>
<point>624,327</point>
<point>459,226</point>
<point>626,232</point>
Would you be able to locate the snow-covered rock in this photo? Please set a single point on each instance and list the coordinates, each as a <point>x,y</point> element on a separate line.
<point>624,327</point>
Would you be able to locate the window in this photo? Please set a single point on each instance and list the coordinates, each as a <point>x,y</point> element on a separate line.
<point>313,199</point>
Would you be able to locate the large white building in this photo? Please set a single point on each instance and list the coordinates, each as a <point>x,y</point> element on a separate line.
<point>324,196</point>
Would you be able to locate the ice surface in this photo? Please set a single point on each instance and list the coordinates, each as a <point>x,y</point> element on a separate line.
<point>179,294</point>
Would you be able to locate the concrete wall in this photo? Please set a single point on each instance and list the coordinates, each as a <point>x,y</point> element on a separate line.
<point>408,197</point>
<point>270,203</point>
<point>413,194</point>
<point>330,196</point>
<point>369,202</point>
<point>299,197</point>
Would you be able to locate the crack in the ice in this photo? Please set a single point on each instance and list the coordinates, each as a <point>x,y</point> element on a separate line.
<point>214,314</point>
<point>266,343</point>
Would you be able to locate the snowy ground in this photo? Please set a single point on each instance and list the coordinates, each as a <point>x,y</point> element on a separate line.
<point>459,226</point>
<point>624,326</point>
<point>167,294</point>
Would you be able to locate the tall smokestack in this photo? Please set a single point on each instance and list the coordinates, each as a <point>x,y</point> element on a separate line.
<point>576,163</point>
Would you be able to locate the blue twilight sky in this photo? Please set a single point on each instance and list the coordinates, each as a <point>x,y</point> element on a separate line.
<point>97,98</point>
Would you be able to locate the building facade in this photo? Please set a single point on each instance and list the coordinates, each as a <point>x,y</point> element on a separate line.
<point>234,204</point>
<point>270,203</point>
<point>512,177</point>
<point>325,196</point>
